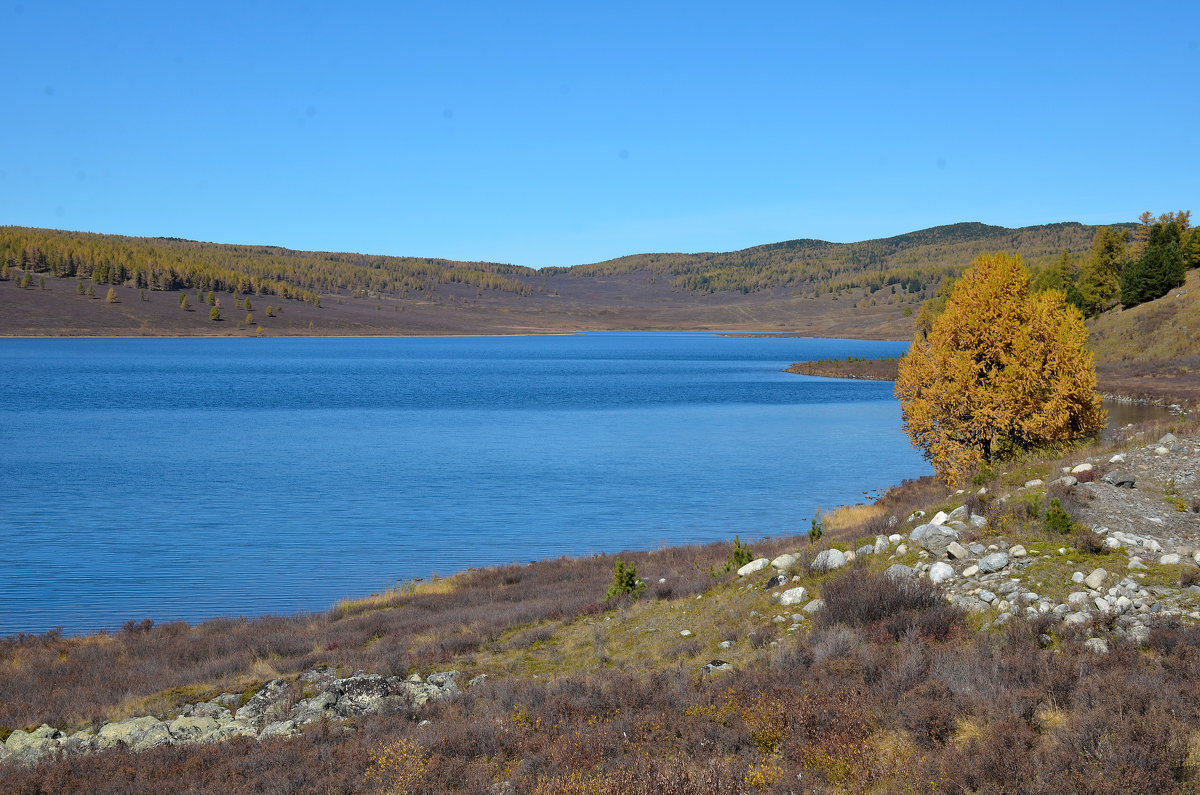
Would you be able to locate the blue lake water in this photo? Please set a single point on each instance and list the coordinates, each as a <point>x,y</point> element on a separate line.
<point>190,478</point>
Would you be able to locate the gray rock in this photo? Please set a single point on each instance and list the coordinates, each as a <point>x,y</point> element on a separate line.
<point>938,540</point>
<point>793,596</point>
<point>814,605</point>
<point>881,545</point>
<point>1017,551</point>
<point>1078,598</point>
<point>865,549</point>
<point>725,644</point>
<point>777,580</point>
<point>754,566</point>
<point>898,571</point>
<point>268,705</point>
<point>993,562</point>
<point>209,709</point>
<point>716,666</point>
<point>314,709</point>
<point>1170,559</point>
<point>191,728</point>
<point>1033,484</point>
<point>230,701</point>
<point>970,571</point>
<point>227,730</point>
<point>1009,587</point>
<point>1119,478</point>
<point>1096,645</point>
<point>972,604</point>
<point>828,560</point>
<point>987,596</point>
<point>1066,481</point>
<point>1075,619</point>
<point>957,550</point>
<point>283,728</point>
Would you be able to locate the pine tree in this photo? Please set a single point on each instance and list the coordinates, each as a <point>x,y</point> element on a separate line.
<point>214,314</point>
<point>1002,370</point>
<point>111,298</point>
<point>1160,268</point>
<point>1100,277</point>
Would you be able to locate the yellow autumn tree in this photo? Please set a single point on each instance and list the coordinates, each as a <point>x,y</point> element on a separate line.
<point>1000,370</point>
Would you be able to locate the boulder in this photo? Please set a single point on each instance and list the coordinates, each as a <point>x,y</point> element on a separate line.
<point>1095,579</point>
<point>993,562</point>
<point>1119,458</point>
<point>828,560</point>
<point>282,728</point>
<point>957,550</point>
<point>191,728</point>
<point>970,571</point>
<point>940,572</point>
<point>865,549</point>
<point>1096,645</point>
<point>1017,551</point>
<point>814,605</point>
<point>898,571</point>
<point>29,747</point>
<point>1084,467</point>
<point>1170,559</point>
<point>1078,599</point>
<point>777,580</point>
<point>753,566</point>
<point>314,709</point>
<point>268,705</point>
<point>1119,478</point>
<point>785,562</point>
<point>793,596</point>
<point>939,518</point>
<point>937,540</point>
<point>881,545</point>
<point>1033,484</point>
<point>136,733</point>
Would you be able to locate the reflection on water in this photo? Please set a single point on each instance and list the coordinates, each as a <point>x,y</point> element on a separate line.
<point>1122,413</point>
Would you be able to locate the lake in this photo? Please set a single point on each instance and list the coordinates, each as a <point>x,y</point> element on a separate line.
<point>191,478</point>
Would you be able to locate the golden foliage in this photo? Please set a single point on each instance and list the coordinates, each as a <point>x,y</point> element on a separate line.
<point>1000,370</point>
<point>398,768</point>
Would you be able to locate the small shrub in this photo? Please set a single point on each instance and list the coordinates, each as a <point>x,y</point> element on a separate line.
<point>214,314</point>
<point>1189,577</point>
<point>816,530</point>
<point>739,556</point>
<point>1057,518</point>
<point>625,582</point>
<point>1089,541</point>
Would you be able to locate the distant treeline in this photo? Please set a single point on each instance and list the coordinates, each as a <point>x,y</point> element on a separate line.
<point>172,264</point>
<point>913,264</point>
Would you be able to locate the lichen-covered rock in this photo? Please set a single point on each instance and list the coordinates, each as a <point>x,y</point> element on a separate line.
<point>993,562</point>
<point>192,727</point>
<point>137,734</point>
<point>940,572</point>
<point>793,596</point>
<point>785,562</point>
<point>268,705</point>
<point>829,559</point>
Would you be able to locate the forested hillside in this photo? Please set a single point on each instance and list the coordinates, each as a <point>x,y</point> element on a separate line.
<point>870,289</point>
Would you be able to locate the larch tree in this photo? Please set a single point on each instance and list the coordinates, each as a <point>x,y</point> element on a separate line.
<point>1001,370</point>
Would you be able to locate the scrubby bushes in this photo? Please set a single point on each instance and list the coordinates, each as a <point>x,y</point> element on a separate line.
<point>893,606</point>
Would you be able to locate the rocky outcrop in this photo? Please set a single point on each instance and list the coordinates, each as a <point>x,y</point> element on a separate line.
<point>276,710</point>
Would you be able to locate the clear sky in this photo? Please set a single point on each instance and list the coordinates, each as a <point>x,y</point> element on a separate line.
<point>556,133</point>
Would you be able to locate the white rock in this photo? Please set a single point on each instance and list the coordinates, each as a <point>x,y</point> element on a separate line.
<point>1017,551</point>
<point>785,562</point>
<point>957,551</point>
<point>1101,604</point>
<point>970,571</point>
<point>793,596</point>
<point>1095,579</point>
<point>1119,458</point>
<point>939,518</point>
<point>687,633</point>
<point>1031,484</point>
<point>940,572</point>
<point>753,566</point>
<point>1170,559</point>
<point>1075,619</point>
<point>829,559</point>
<point>814,605</point>
<point>1123,603</point>
<point>902,549</point>
<point>1096,645</point>
<point>1084,467</point>
<point>1112,543</point>
<point>850,556</point>
<point>896,538</point>
<point>1078,598</point>
<point>1161,450</point>
<point>1077,577</point>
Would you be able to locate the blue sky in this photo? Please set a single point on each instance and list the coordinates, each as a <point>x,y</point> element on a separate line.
<point>561,133</point>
